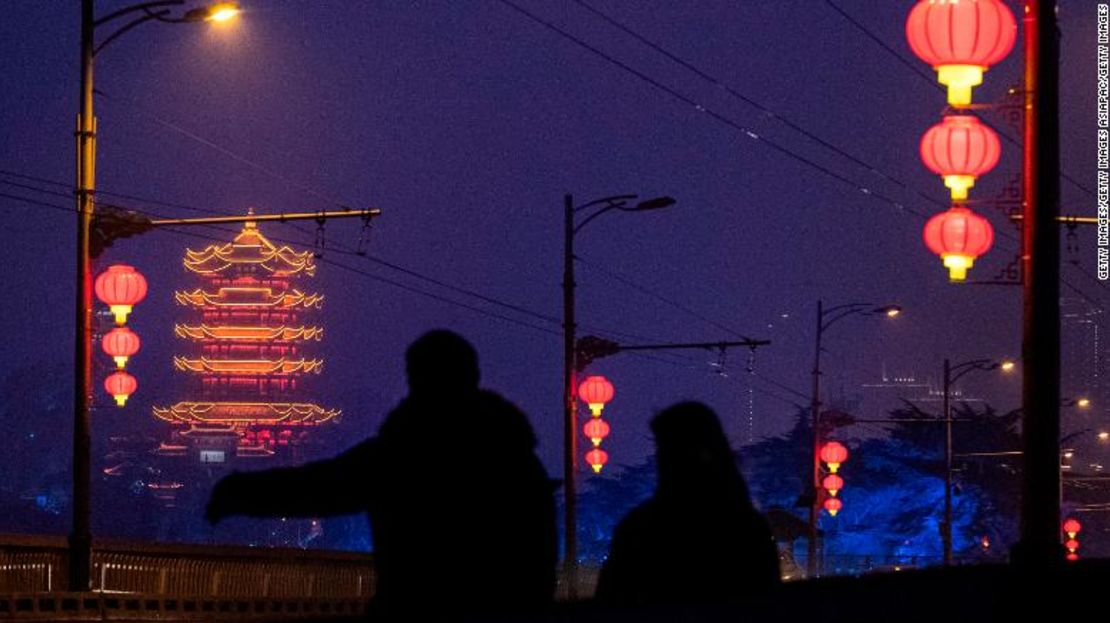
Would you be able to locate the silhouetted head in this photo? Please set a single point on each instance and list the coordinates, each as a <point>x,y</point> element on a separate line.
<point>692,452</point>
<point>441,361</point>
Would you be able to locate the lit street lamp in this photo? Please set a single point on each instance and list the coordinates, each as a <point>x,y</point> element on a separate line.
<point>570,425</point>
<point>951,375</point>
<point>825,319</point>
<point>80,540</point>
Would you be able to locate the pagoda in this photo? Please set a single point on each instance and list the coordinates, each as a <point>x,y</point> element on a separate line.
<point>248,352</point>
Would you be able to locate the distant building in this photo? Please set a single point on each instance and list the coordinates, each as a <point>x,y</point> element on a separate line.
<point>249,348</point>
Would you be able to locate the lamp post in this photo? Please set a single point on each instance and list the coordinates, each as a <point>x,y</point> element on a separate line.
<point>80,540</point>
<point>570,430</point>
<point>951,375</point>
<point>825,319</point>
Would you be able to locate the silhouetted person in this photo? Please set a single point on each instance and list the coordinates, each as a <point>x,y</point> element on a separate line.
<point>461,510</point>
<point>698,539</point>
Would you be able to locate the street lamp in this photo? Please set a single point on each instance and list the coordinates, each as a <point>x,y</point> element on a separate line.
<point>80,540</point>
<point>825,319</point>
<point>951,375</point>
<point>570,427</point>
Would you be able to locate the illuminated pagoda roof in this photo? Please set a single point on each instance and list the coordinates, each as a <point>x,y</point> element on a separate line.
<point>245,413</point>
<point>280,334</point>
<point>250,248</point>
<point>248,297</point>
<point>248,366</point>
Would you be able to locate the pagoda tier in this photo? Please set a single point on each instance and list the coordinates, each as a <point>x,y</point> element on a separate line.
<point>248,334</point>
<point>249,250</point>
<point>249,297</point>
<point>249,367</point>
<point>232,415</point>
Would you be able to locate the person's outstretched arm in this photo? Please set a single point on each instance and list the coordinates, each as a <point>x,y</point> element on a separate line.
<point>335,486</point>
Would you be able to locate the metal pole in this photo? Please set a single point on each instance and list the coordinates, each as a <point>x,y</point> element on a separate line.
<point>1040,512</point>
<point>815,476</point>
<point>570,437</point>
<point>946,527</point>
<point>80,539</point>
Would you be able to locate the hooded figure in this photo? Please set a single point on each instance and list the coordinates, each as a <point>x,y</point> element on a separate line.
<point>698,539</point>
<point>461,510</point>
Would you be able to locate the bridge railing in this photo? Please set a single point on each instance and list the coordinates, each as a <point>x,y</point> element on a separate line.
<point>32,564</point>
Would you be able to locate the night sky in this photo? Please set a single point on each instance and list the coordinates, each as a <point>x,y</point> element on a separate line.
<point>466,123</point>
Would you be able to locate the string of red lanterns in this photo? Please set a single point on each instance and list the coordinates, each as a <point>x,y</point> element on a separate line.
<point>960,40</point>
<point>120,287</point>
<point>1072,527</point>
<point>596,391</point>
<point>833,454</point>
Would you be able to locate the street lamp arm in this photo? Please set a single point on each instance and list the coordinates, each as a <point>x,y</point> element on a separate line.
<point>151,15</point>
<point>610,207</point>
<point>609,200</point>
<point>145,6</point>
<point>848,310</point>
<point>968,366</point>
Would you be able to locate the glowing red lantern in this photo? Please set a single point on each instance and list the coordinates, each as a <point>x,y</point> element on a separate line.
<point>1072,545</point>
<point>1072,557</point>
<point>597,458</point>
<point>958,236</point>
<point>596,391</point>
<point>959,149</point>
<point>1072,527</point>
<point>120,385</point>
<point>120,343</point>
<point>834,453</point>
<point>961,39</point>
<point>596,430</point>
<point>120,287</point>
<point>833,484</point>
<point>833,505</point>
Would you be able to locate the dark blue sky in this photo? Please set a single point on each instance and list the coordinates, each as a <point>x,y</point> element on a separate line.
<point>466,122</point>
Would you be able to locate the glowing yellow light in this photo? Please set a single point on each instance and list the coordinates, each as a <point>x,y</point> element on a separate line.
<point>1068,455</point>
<point>121,361</point>
<point>121,399</point>
<point>1103,436</point>
<point>223,11</point>
<point>596,468</point>
<point>957,266</point>
<point>960,79</point>
<point>1083,403</point>
<point>959,184</point>
<point>832,468</point>
<point>892,312</point>
<point>1007,366</point>
<point>120,312</point>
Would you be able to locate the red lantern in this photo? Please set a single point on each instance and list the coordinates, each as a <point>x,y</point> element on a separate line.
<point>1072,527</point>
<point>834,453</point>
<point>119,288</point>
<point>833,505</point>
<point>596,430</point>
<point>1072,557</point>
<point>596,391</point>
<point>959,149</point>
<point>1072,545</point>
<point>120,343</point>
<point>958,236</point>
<point>120,385</point>
<point>961,40</point>
<point>597,458</point>
<point>833,484</point>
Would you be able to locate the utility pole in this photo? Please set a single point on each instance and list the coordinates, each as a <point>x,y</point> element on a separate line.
<point>570,436</point>
<point>946,527</point>
<point>815,424</point>
<point>80,538</point>
<point>1039,547</point>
